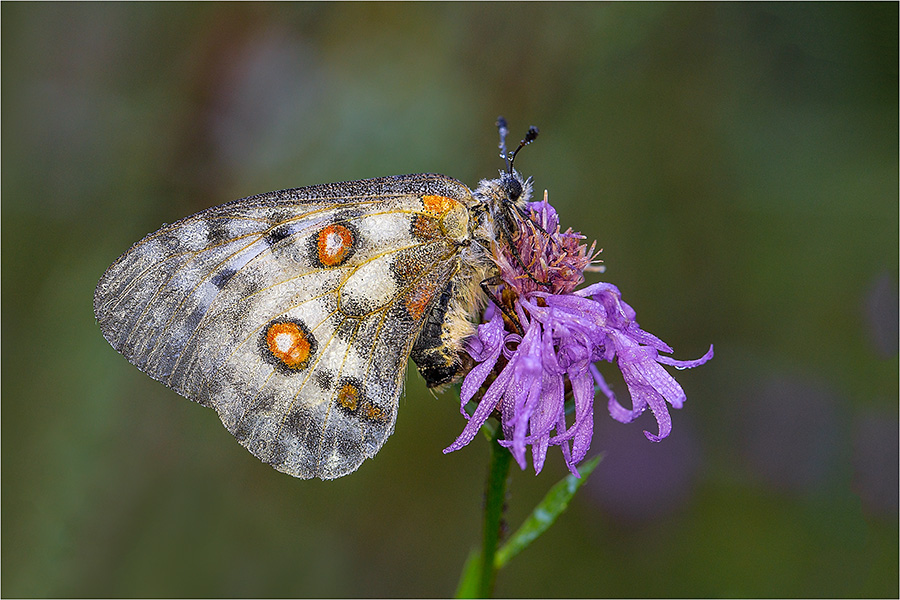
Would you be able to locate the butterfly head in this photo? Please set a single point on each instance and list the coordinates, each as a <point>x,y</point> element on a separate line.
<point>503,200</point>
<point>514,188</point>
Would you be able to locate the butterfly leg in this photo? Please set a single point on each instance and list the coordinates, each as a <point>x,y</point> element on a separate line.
<point>510,316</point>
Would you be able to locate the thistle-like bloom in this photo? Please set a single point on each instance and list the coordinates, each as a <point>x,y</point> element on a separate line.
<point>561,332</point>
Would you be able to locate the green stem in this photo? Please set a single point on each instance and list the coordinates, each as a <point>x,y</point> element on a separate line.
<point>495,498</point>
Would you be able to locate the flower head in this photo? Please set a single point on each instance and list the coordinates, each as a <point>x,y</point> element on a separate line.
<point>544,342</point>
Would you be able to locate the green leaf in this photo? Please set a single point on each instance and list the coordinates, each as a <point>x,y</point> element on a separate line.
<point>545,513</point>
<point>470,577</point>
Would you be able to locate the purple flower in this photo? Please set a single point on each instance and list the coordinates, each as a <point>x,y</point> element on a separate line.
<point>560,334</point>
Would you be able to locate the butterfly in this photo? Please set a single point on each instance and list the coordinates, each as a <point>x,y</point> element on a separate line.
<point>293,313</point>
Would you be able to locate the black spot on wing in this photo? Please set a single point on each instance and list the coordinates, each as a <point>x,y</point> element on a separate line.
<point>280,232</point>
<point>312,435</point>
<point>349,449</point>
<point>298,422</point>
<point>347,329</point>
<point>276,235</point>
<point>265,402</point>
<point>221,278</point>
<point>324,378</point>
<point>218,231</point>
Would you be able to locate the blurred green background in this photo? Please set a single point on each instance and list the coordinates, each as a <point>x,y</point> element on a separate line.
<point>738,163</point>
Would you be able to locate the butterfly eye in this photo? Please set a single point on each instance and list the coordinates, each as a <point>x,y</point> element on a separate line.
<point>513,188</point>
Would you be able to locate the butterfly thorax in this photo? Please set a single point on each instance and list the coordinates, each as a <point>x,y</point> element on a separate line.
<point>493,217</point>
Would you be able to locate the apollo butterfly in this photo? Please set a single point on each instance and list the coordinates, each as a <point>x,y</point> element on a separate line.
<point>293,313</point>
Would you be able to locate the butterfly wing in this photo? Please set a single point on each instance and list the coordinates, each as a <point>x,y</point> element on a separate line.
<point>292,313</point>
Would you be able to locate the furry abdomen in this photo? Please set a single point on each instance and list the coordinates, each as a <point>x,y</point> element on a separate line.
<point>438,351</point>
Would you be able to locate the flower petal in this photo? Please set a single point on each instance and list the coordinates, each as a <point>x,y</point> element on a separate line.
<point>489,343</point>
<point>687,364</point>
<point>484,409</point>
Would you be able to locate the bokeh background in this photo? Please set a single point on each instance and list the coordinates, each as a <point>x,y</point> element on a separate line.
<point>738,164</point>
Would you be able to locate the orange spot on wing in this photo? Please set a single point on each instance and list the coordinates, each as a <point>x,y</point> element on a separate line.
<point>289,344</point>
<point>374,413</point>
<point>426,228</point>
<point>438,205</point>
<point>419,299</point>
<point>334,244</point>
<point>348,396</point>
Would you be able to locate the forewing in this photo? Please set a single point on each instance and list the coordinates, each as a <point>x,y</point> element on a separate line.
<point>291,313</point>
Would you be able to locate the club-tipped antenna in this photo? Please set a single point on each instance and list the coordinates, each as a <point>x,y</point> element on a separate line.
<point>510,157</point>
<point>504,131</point>
<point>530,136</point>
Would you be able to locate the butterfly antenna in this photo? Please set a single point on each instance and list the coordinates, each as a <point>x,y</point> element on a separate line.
<point>530,136</point>
<point>504,131</point>
<point>510,157</point>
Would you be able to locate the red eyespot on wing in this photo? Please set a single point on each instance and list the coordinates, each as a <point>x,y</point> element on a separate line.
<point>289,344</point>
<point>334,244</point>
